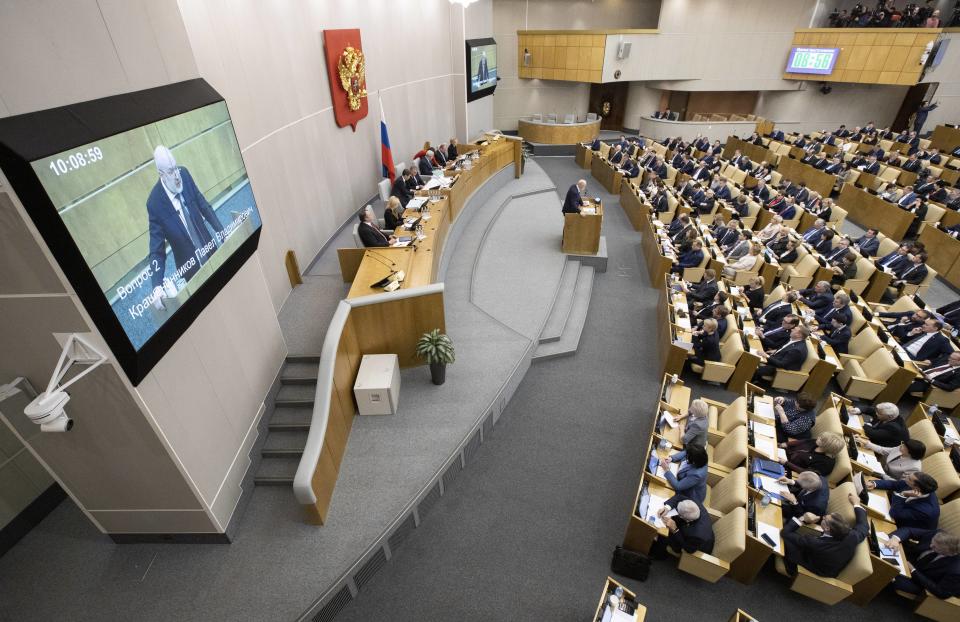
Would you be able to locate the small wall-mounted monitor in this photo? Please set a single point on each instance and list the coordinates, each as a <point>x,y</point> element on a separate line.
<point>481,68</point>
<point>144,201</point>
<point>812,60</point>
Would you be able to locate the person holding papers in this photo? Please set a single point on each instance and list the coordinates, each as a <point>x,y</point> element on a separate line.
<point>689,527</point>
<point>900,461</point>
<point>914,500</point>
<point>691,477</point>
<point>818,455</point>
<point>828,554</point>
<point>808,492</point>
<point>935,557</point>
<point>574,199</point>
<point>795,417</point>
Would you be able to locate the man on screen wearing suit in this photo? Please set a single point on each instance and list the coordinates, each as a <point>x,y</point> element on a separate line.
<point>574,199</point>
<point>179,215</point>
<point>483,72</point>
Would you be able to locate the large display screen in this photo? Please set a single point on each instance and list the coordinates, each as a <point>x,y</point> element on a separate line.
<point>481,68</point>
<point>812,60</point>
<point>154,213</point>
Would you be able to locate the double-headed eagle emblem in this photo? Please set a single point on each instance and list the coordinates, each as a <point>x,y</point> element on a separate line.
<point>352,69</point>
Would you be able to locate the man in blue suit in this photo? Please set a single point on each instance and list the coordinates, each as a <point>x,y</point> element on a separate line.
<point>868,244</point>
<point>596,144</point>
<point>690,259</point>
<point>914,500</point>
<point>631,169</point>
<point>819,297</point>
<point>813,235</point>
<point>179,215</point>
<point>574,199</point>
<point>894,260</point>
<point>807,492</point>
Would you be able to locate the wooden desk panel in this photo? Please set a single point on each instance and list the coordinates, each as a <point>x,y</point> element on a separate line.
<point>942,251</point>
<point>945,138</point>
<point>636,210</point>
<point>796,171</point>
<point>756,153</point>
<point>868,210</point>
<point>584,156</point>
<point>558,133</point>
<point>607,174</point>
<point>581,233</point>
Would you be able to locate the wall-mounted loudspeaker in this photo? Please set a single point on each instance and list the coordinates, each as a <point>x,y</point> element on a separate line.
<point>527,57</point>
<point>623,50</point>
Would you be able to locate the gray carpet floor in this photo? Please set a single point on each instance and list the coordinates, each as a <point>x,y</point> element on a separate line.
<point>528,530</point>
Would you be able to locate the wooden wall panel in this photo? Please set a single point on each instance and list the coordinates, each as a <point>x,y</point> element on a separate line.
<point>561,55</point>
<point>395,326</point>
<point>869,55</point>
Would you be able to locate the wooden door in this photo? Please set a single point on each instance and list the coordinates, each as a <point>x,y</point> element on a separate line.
<point>911,101</point>
<point>609,101</point>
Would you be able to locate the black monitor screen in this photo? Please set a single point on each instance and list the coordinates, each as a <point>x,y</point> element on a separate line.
<point>145,202</point>
<point>481,68</point>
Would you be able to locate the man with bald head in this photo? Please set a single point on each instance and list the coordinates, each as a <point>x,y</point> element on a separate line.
<point>688,527</point>
<point>178,215</point>
<point>574,200</point>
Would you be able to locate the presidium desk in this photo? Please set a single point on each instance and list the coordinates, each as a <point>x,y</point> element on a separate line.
<point>357,325</point>
<point>558,133</point>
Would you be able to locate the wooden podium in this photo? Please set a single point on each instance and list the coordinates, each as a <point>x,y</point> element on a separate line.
<point>581,232</point>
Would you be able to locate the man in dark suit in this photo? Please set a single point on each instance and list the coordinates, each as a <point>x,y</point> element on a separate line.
<point>819,297</point>
<point>943,374</point>
<point>425,165</point>
<point>777,135</point>
<point>596,144</point>
<point>834,167</point>
<point>900,324</point>
<point>179,215</point>
<point>871,166</point>
<point>807,492</point>
<point>617,154</point>
<point>826,555</point>
<point>775,338</point>
<point>815,232</point>
<point>761,192</point>
<point>690,259</point>
<point>678,224</point>
<point>660,202</point>
<point>574,199</point>
<point>790,356</point>
<point>659,167</point>
<point>868,244</point>
<point>773,313</point>
<point>950,313</point>
<point>887,428</point>
<point>912,272</point>
<point>453,152</point>
<point>688,526</point>
<point>801,193</point>
<point>401,188</point>
<point>483,71</point>
<point>440,155</point>
<point>415,182</point>
<point>837,334</point>
<point>912,164</point>
<point>705,290</point>
<point>631,170</point>
<point>369,230</point>
<point>926,344</point>
<point>701,172</point>
<point>914,502</point>
<point>894,260</point>
<point>935,557</point>
<point>706,342</point>
<point>840,307</point>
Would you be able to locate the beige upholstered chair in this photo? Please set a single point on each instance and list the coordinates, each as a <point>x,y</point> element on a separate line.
<point>785,379</point>
<point>775,294</point>
<point>693,275</point>
<point>832,591</point>
<point>862,345</point>
<point>837,216</point>
<point>720,371</point>
<point>723,418</point>
<point>728,494</point>
<point>857,321</point>
<point>945,399</point>
<point>941,469</point>
<point>730,451</point>
<point>799,274</point>
<point>730,541</point>
<point>924,432</point>
<point>866,379</point>
<point>865,269</point>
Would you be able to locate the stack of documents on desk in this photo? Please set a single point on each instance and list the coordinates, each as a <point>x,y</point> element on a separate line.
<point>764,429</point>
<point>653,509</point>
<point>854,422</point>
<point>878,502</point>
<point>766,446</point>
<point>870,461</point>
<point>763,408</point>
<point>589,211</point>
<point>768,484</point>
<point>416,203</point>
<point>683,322</point>
<point>438,182</point>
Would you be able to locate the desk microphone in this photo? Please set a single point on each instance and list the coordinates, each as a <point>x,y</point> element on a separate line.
<point>377,256</point>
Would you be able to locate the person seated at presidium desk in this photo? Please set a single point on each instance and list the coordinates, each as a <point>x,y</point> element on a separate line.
<point>393,214</point>
<point>369,230</point>
<point>828,554</point>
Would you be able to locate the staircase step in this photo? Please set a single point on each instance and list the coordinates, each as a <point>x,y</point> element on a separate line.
<point>295,395</point>
<point>285,443</point>
<point>299,373</point>
<point>553,329</point>
<point>276,471</point>
<point>291,418</point>
<point>570,339</point>
<point>303,358</point>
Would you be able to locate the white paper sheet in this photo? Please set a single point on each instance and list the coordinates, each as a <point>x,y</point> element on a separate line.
<point>764,429</point>
<point>773,532</point>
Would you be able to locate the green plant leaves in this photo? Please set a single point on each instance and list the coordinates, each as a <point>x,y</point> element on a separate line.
<point>435,347</point>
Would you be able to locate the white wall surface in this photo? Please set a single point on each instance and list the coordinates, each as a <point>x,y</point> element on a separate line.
<point>849,104</point>
<point>642,101</point>
<point>712,45</point>
<point>947,74</point>
<point>478,23</point>
<point>517,98</point>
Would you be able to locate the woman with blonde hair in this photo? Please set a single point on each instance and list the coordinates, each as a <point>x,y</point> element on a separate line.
<point>754,292</point>
<point>393,214</point>
<point>815,454</point>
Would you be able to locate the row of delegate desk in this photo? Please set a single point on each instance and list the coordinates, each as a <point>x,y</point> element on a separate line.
<point>604,611</point>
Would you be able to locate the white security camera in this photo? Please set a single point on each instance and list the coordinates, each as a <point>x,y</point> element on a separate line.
<point>47,409</point>
<point>47,412</point>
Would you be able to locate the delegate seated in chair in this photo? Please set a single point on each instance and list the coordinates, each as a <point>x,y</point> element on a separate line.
<point>943,374</point>
<point>935,557</point>
<point>688,527</point>
<point>775,338</point>
<point>828,554</point>
<point>819,297</point>
<point>691,478</point>
<point>794,416</point>
<point>807,492</point>
<point>790,356</point>
<point>706,343</point>
<point>914,500</point>
<point>772,314</point>
<point>837,334</point>
<point>817,455</point>
<point>689,259</point>
<point>888,428</point>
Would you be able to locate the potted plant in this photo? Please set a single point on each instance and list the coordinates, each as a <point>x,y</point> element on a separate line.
<point>437,349</point>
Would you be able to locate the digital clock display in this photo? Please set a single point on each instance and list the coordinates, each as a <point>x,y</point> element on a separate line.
<point>812,60</point>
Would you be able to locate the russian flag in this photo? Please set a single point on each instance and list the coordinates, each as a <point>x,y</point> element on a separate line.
<point>386,156</point>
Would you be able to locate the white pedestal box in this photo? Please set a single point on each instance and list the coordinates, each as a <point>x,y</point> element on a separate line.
<point>377,388</point>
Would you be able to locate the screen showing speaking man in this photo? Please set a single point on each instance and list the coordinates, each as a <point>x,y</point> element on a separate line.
<point>483,67</point>
<point>155,211</point>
